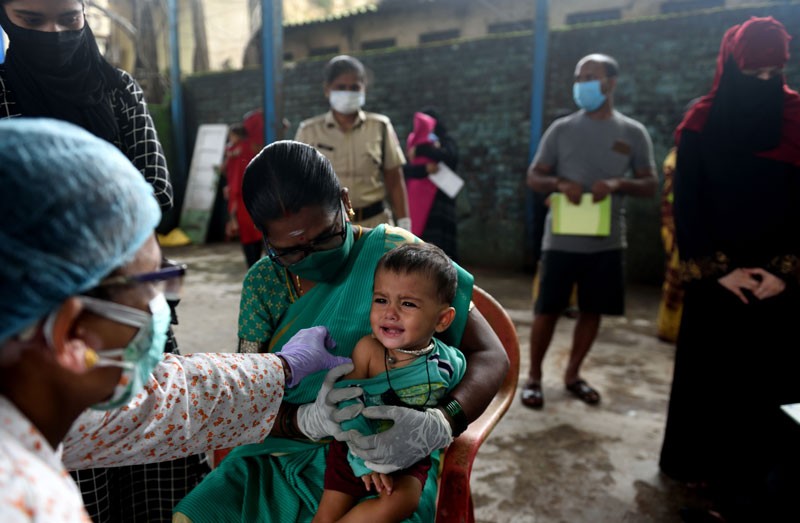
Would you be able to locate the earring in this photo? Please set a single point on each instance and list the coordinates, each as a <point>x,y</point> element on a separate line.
<point>90,358</point>
<point>351,213</point>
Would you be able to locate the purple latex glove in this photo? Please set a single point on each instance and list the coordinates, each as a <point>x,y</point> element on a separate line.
<point>307,352</point>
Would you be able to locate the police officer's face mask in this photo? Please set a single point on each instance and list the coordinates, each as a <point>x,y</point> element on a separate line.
<point>347,102</point>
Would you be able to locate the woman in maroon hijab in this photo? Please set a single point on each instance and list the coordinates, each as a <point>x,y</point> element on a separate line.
<point>737,214</point>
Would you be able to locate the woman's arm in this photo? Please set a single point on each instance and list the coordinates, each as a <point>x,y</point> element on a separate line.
<point>192,404</point>
<point>259,311</point>
<point>698,257</point>
<point>487,366</point>
<point>415,171</point>
<point>447,152</point>
<point>785,262</point>
<point>141,145</point>
<point>198,403</point>
<point>392,161</point>
<point>396,192</point>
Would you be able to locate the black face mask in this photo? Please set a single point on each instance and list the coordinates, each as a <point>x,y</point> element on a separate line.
<point>47,51</point>
<point>62,75</point>
<point>747,112</point>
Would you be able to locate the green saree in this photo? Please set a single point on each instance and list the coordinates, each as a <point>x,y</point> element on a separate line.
<point>280,480</point>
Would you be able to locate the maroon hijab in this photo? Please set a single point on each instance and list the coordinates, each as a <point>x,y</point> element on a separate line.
<point>759,42</point>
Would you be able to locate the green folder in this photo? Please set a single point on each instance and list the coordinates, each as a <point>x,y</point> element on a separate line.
<point>585,219</point>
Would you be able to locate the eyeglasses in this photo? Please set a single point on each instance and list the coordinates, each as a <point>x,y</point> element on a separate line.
<point>168,279</point>
<point>323,242</point>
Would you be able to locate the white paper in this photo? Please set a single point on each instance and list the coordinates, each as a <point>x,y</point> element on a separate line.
<point>792,410</point>
<point>445,179</point>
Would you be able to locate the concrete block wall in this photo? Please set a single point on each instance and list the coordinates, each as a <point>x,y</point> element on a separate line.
<point>482,88</point>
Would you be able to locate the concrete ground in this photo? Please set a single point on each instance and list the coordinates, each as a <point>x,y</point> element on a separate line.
<point>569,462</point>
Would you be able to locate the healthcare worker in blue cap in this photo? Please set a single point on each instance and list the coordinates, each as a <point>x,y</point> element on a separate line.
<point>54,68</point>
<point>83,319</point>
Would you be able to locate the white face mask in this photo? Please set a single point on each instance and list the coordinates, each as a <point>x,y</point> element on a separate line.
<point>142,354</point>
<point>347,102</point>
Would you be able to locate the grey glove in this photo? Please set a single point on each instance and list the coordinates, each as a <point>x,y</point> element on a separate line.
<point>307,352</point>
<point>413,436</point>
<point>321,419</point>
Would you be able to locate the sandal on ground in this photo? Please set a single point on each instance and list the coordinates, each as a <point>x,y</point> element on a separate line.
<point>584,392</point>
<point>532,396</point>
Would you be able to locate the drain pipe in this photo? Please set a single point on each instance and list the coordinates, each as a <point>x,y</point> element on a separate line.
<point>271,63</point>
<point>178,124</point>
<point>540,38</point>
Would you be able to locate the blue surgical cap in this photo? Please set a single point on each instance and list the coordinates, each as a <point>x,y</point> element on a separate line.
<point>72,210</point>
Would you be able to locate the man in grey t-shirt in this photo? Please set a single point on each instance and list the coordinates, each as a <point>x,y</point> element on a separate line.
<point>590,151</point>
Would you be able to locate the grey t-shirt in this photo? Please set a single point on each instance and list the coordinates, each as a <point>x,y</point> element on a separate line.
<point>585,150</point>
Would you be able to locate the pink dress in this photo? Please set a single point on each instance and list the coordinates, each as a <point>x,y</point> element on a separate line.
<point>421,192</point>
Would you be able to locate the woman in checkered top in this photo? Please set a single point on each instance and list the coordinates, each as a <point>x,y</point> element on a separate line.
<point>54,69</point>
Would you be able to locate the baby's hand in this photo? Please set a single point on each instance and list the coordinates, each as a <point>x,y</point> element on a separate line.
<point>381,481</point>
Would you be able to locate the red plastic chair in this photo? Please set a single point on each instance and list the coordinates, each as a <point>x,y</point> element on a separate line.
<point>454,504</point>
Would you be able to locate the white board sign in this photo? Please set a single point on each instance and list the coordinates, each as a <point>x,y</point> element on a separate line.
<point>201,186</point>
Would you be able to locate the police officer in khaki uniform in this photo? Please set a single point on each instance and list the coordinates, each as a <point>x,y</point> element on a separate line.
<point>362,147</point>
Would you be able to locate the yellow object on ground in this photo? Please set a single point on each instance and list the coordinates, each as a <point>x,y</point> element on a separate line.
<point>174,238</point>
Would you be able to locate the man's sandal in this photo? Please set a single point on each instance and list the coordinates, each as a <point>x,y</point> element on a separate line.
<point>584,392</point>
<point>532,396</point>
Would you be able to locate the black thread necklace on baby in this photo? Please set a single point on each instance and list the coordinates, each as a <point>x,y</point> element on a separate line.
<point>390,397</point>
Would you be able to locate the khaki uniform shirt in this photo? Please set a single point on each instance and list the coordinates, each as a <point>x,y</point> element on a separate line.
<point>360,155</point>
